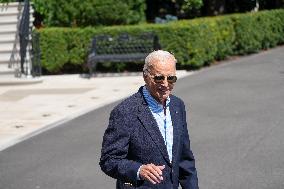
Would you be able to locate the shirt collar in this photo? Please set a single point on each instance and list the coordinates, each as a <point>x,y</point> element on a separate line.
<point>153,104</point>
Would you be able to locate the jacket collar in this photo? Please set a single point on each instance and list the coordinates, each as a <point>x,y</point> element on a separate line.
<point>154,105</point>
<point>148,121</point>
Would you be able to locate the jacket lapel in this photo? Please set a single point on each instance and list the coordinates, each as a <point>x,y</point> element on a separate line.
<point>150,124</point>
<point>175,116</point>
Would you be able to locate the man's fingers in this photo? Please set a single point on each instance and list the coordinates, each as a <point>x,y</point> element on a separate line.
<point>153,178</point>
<point>147,175</point>
<point>161,167</point>
<point>149,179</point>
<point>148,171</point>
<point>158,169</point>
<point>152,173</point>
<point>155,171</point>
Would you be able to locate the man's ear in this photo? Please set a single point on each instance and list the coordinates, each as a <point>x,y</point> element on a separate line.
<point>144,77</point>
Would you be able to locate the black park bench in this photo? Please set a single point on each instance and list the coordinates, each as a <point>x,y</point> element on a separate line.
<point>121,48</point>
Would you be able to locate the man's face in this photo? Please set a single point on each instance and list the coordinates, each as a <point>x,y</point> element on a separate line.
<point>162,89</point>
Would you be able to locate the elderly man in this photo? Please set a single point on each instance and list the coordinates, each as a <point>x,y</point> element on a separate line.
<point>146,144</point>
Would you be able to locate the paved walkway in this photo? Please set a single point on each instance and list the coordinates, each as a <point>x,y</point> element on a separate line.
<point>27,110</point>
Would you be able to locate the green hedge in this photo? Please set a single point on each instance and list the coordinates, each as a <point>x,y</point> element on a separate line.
<point>258,31</point>
<point>195,43</point>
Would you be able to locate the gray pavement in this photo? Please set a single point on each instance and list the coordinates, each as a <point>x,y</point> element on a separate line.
<point>29,109</point>
<point>237,122</point>
<point>235,114</point>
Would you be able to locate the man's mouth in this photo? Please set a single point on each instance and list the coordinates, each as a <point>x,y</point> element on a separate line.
<point>163,90</point>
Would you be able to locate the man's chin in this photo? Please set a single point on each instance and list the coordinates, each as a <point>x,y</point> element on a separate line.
<point>164,96</point>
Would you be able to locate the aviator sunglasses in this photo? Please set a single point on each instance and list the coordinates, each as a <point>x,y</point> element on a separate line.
<point>161,78</point>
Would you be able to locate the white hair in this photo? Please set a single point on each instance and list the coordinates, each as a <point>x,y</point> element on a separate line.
<point>160,56</point>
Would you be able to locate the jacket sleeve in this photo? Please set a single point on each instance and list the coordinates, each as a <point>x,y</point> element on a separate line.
<point>114,151</point>
<point>187,171</point>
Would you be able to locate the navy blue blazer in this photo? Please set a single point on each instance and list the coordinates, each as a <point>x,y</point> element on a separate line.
<point>133,138</point>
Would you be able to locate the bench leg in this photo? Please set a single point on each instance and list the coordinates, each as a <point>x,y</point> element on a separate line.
<point>94,68</point>
<point>90,72</point>
<point>90,67</point>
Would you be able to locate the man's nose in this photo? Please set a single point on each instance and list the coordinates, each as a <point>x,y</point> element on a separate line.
<point>165,82</point>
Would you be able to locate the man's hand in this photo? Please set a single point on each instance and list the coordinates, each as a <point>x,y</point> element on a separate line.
<point>152,173</point>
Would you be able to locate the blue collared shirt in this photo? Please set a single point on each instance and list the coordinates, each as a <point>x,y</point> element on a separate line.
<point>163,120</point>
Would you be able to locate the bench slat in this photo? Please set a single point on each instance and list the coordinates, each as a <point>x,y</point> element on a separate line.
<point>118,57</point>
<point>123,48</point>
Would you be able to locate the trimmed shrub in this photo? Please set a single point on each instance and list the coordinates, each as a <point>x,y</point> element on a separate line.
<point>256,31</point>
<point>195,43</point>
<point>248,37</point>
<point>53,50</point>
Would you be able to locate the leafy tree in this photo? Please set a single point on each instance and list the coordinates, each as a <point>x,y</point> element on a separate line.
<point>179,8</point>
<point>187,6</point>
<point>90,12</point>
<point>5,1</point>
<point>217,7</point>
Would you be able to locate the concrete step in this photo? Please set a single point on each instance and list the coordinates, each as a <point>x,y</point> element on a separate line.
<point>7,17</point>
<point>14,15</point>
<point>4,62</point>
<point>7,41</point>
<point>11,65</point>
<point>4,67</point>
<point>11,4</point>
<point>5,57</point>
<point>8,22</point>
<point>8,77</point>
<point>10,74</point>
<point>8,32</point>
<point>5,70</point>
<point>6,37</point>
<point>8,28</point>
<point>6,47</point>
<point>15,59</point>
<point>12,80</point>
<point>10,7</point>
<point>13,8</point>
<point>9,13</point>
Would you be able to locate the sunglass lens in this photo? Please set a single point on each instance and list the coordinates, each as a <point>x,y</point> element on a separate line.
<point>172,79</point>
<point>159,78</point>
